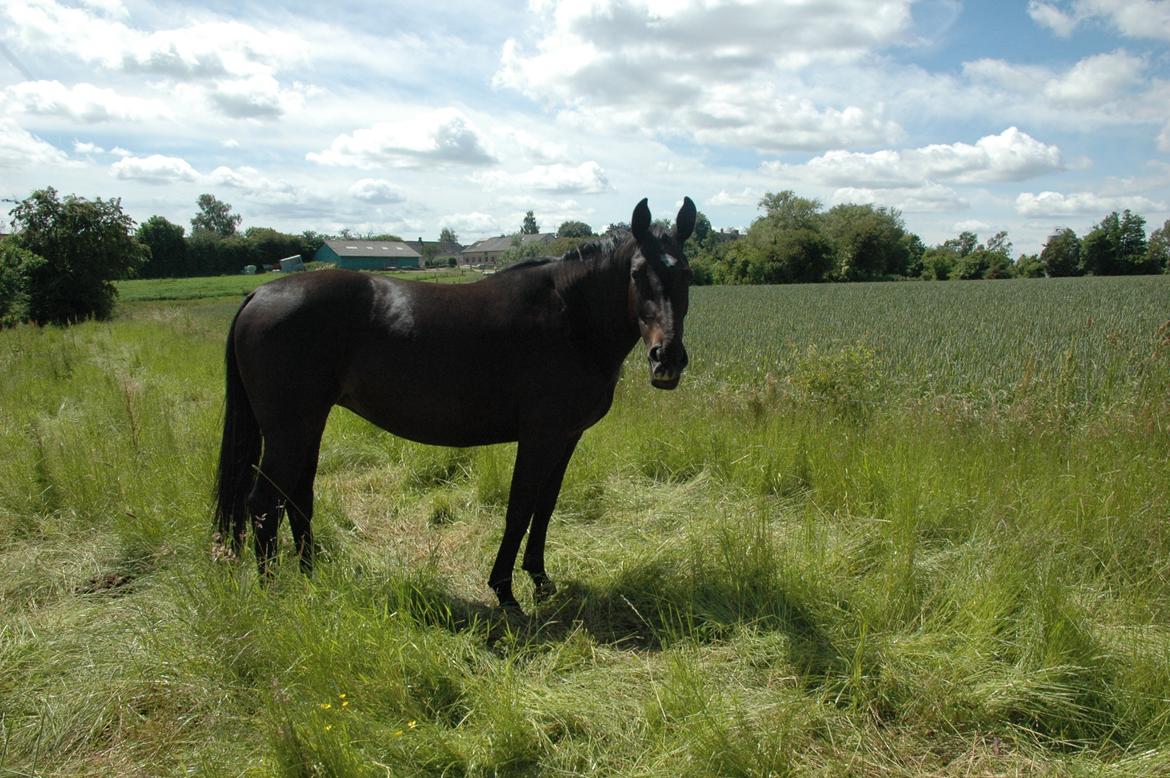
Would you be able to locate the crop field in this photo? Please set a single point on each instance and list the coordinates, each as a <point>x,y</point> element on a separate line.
<point>880,529</point>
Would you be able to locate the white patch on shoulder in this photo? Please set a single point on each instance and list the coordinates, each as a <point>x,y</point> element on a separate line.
<point>393,306</point>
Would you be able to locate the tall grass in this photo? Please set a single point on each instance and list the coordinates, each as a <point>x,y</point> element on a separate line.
<point>859,539</point>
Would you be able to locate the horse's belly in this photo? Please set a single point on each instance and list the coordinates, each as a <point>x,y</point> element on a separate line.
<point>437,424</point>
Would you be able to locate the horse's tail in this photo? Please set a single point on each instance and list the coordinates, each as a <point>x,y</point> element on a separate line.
<point>239,452</point>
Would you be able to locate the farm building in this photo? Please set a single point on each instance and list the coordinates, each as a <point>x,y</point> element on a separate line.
<point>368,254</point>
<point>489,251</point>
<point>435,250</point>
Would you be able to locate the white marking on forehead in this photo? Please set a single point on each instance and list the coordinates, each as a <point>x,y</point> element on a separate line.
<point>668,260</point>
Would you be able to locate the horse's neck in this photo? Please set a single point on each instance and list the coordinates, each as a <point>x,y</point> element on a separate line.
<point>600,294</point>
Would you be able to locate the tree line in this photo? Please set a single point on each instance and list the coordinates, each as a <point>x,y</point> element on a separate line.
<point>215,246</point>
<point>797,241</point>
<point>59,264</point>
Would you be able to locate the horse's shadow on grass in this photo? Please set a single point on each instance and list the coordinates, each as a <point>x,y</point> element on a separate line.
<point>647,608</point>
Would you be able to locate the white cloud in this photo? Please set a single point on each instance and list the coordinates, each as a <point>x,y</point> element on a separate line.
<point>376,190</point>
<point>1098,79</point>
<point>1092,83</point>
<point>746,196</point>
<point>1135,18</point>
<point>260,188</point>
<point>586,178</point>
<point>927,198</point>
<point>201,50</point>
<point>1012,155</point>
<point>1132,18</point>
<point>79,103</point>
<point>257,97</point>
<point>21,149</point>
<point>236,63</point>
<point>1059,204</point>
<point>727,73</point>
<point>154,169</point>
<point>444,136</point>
<point>472,223</point>
<point>112,8</point>
<point>1050,16</point>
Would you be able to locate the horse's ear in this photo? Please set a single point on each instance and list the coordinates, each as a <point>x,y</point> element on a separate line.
<point>640,221</point>
<point>684,225</point>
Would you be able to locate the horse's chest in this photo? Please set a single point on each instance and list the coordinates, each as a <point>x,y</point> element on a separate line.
<point>578,410</point>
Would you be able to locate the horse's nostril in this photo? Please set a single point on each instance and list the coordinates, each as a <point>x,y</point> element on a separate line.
<point>656,353</point>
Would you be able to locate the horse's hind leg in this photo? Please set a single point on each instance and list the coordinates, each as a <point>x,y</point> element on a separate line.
<point>300,511</point>
<point>280,471</point>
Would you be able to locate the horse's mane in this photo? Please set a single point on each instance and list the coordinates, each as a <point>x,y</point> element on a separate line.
<point>536,262</point>
<point>598,249</point>
<point>590,250</point>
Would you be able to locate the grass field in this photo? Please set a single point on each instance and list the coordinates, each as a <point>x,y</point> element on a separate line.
<point>891,529</point>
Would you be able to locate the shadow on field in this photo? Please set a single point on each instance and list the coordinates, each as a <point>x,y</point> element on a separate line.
<point>646,608</point>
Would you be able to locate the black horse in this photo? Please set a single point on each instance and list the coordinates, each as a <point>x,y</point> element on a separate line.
<point>531,354</point>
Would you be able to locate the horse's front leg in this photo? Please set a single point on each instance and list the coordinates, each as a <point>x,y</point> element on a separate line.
<point>546,502</point>
<point>535,460</point>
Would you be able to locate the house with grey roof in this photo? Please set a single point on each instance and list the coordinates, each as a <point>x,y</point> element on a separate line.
<point>489,250</point>
<point>356,254</point>
<point>435,250</point>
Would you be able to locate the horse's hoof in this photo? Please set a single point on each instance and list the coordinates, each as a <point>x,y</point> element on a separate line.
<point>512,609</point>
<point>544,591</point>
<point>221,552</point>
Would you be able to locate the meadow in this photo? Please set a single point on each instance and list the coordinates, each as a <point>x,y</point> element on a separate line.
<point>880,529</point>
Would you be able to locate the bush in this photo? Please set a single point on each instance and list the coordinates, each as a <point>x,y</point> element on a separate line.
<point>17,265</point>
<point>84,246</point>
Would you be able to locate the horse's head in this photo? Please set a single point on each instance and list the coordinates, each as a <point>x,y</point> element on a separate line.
<point>660,280</point>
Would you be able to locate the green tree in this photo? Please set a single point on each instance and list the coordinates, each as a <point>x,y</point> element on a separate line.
<point>999,256</point>
<point>773,254</point>
<point>1061,255</point>
<point>990,260</point>
<point>448,235</point>
<point>311,241</point>
<point>785,245</point>
<point>168,250</point>
<point>215,217</point>
<point>270,246</point>
<point>574,229</point>
<point>17,267</point>
<point>869,242</point>
<point>938,263</point>
<point>1029,266</point>
<point>1133,243</point>
<point>789,211</point>
<point>703,230</point>
<point>1158,251</point>
<point>530,227</point>
<point>85,245</point>
<point>617,230</point>
<point>1116,245</point>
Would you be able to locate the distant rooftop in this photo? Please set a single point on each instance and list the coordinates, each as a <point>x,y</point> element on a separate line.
<point>371,248</point>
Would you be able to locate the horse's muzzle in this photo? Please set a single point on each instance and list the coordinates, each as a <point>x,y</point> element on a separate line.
<point>666,365</point>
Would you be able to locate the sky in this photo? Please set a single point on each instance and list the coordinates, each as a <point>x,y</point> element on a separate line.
<point>410,116</point>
